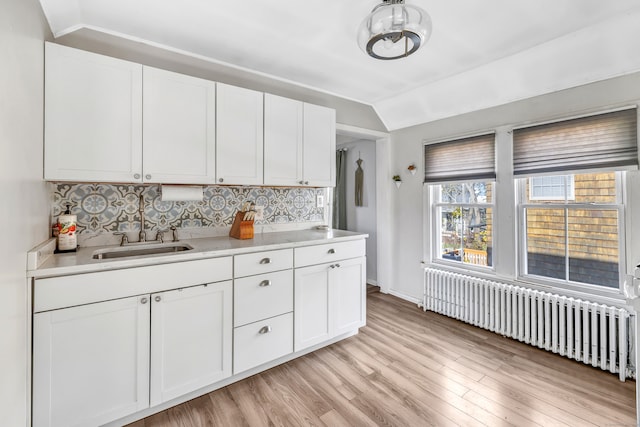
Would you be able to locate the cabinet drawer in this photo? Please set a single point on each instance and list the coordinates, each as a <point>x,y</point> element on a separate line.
<point>321,254</point>
<point>262,296</point>
<point>262,262</point>
<point>66,291</point>
<point>261,342</point>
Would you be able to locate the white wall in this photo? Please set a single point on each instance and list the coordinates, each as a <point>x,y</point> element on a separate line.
<point>24,211</point>
<point>406,147</point>
<point>363,218</point>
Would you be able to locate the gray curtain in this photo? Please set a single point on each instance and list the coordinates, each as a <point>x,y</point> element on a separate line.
<point>340,193</point>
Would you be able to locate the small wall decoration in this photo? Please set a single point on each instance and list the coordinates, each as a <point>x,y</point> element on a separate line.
<point>412,168</point>
<point>397,180</point>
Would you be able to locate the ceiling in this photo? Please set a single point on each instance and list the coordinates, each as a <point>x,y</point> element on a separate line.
<point>481,54</point>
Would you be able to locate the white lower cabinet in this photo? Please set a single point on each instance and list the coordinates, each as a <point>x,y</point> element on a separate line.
<point>348,295</point>
<point>107,345</point>
<point>312,310</point>
<point>91,363</point>
<point>191,340</point>
<point>329,301</point>
<point>263,308</point>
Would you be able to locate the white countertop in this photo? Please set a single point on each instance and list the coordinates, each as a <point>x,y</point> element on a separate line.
<point>82,261</point>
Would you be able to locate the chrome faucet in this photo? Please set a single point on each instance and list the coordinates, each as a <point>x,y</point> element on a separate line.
<point>143,234</point>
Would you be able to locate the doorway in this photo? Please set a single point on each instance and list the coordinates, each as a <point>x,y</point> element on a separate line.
<point>373,216</point>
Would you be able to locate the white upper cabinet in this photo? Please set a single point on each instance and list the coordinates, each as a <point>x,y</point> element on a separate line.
<point>283,151</point>
<point>109,120</point>
<point>239,136</point>
<point>319,164</point>
<point>299,143</point>
<point>179,128</point>
<point>93,117</point>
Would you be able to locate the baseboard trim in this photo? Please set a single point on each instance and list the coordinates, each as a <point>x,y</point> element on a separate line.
<point>405,297</point>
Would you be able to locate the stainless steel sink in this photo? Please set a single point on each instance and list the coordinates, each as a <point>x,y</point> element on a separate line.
<point>146,250</point>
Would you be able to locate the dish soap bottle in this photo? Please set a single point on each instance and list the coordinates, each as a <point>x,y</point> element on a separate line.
<point>67,224</point>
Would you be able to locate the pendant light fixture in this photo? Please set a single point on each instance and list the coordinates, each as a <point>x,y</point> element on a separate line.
<point>394,30</point>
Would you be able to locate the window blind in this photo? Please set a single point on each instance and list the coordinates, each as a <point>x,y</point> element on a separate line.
<point>463,159</point>
<point>604,141</point>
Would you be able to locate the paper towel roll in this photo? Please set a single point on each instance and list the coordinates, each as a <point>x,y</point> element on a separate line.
<point>173,193</point>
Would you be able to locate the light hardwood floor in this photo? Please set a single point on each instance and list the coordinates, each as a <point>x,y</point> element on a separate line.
<point>411,368</point>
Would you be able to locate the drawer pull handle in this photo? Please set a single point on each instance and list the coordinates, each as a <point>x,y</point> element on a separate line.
<point>265,261</point>
<point>331,251</point>
<point>143,300</point>
<point>265,330</point>
<point>265,283</point>
<point>158,298</point>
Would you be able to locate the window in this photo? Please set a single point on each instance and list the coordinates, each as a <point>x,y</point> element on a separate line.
<point>460,174</point>
<point>574,240</point>
<point>556,187</point>
<point>571,225</point>
<point>463,213</point>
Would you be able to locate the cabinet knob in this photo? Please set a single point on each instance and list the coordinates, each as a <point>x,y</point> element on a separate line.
<point>136,175</point>
<point>265,330</point>
<point>331,251</point>
<point>147,176</point>
<point>332,266</point>
<point>143,300</point>
<point>265,283</point>
<point>158,298</point>
<point>265,261</point>
<point>300,182</point>
<point>306,183</point>
<point>337,265</point>
<point>220,180</point>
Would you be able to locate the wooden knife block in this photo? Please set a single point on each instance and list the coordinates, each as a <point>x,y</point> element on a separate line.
<point>241,229</point>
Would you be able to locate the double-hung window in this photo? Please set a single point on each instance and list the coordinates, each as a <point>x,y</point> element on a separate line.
<point>570,183</point>
<point>460,175</point>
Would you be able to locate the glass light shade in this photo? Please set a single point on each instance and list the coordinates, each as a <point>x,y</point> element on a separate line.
<point>394,30</point>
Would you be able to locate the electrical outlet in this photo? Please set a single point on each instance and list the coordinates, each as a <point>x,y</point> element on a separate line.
<point>319,201</point>
<point>259,213</point>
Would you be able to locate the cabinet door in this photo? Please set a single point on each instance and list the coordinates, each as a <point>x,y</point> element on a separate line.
<point>319,152</point>
<point>91,363</point>
<point>348,295</point>
<point>93,117</point>
<point>179,128</point>
<point>239,136</point>
<point>282,141</point>
<point>312,307</point>
<point>191,339</point>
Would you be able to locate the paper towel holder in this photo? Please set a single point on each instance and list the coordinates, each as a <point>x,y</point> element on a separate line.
<point>181,193</point>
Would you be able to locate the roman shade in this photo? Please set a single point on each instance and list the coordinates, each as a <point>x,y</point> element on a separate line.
<point>463,159</point>
<point>604,141</point>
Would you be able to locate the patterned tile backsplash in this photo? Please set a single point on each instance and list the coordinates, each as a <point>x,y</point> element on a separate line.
<point>107,208</point>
